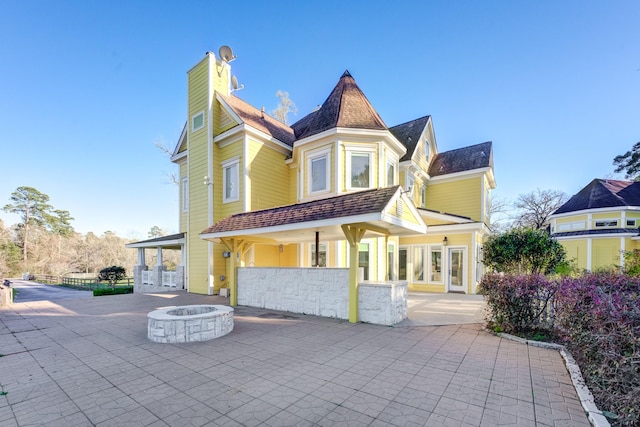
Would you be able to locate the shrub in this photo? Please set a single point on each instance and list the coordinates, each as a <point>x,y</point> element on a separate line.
<point>600,316</point>
<point>112,291</point>
<point>524,251</point>
<point>519,304</point>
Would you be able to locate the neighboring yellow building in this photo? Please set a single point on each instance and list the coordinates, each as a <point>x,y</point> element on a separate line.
<point>303,195</point>
<point>599,224</point>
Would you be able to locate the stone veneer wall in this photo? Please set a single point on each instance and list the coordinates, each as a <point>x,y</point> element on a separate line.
<point>320,292</point>
<point>382,303</point>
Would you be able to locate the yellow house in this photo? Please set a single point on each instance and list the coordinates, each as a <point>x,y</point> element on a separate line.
<point>599,224</point>
<point>336,189</point>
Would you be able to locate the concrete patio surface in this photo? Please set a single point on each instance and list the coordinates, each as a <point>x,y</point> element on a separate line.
<point>86,362</point>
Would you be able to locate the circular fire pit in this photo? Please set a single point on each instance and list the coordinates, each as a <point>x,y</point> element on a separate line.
<point>189,323</point>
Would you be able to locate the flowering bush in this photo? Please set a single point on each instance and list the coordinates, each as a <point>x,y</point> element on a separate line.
<point>600,316</point>
<point>596,315</point>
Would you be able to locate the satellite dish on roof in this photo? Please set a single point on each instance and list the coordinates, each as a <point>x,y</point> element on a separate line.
<point>226,54</point>
<point>234,84</point>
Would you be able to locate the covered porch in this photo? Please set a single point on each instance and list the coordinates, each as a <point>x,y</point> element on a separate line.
<point>159,278</point>
<point>332,292</point>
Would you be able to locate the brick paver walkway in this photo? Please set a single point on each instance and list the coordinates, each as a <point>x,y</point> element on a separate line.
<point>85,362</point>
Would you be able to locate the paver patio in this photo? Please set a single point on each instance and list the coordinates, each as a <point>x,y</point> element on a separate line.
<point>83,362</point>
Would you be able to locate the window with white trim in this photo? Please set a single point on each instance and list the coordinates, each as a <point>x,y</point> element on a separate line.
<point>436,265</point>
<point>423,196</point>
<point>231,181</point>
<point>185,194</point>
<point>391,258</point>
<point>631,223</point>
<point>418,263</point>
<point>570,226</point>
<point>360,170</point>
<point>197,121</point>
<point>322,255</point>
<point>391,173</point>
<point>602,223</point>
<point>318,173</point>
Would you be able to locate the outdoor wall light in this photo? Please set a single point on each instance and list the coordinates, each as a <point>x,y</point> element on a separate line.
<point>445,241</point>
<point>207,180</point>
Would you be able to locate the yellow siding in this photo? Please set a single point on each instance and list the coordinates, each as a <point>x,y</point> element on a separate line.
<point>183,215</point>
<point>420,156</point>
<point>268,177</point>
<point>605,253</point>
<point>197,248</point>
<point>233,150</point>
<point>573,218</point>
<point>606,215</point>
<point>293,184</point>
<point>576,252</point>
<point>270,256</point>
<point>221,119</point>
<point>461,197</point>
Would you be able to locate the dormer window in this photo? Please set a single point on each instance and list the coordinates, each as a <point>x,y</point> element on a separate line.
<point>426,150</point>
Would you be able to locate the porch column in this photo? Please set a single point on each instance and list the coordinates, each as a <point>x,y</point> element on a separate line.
<point>137,271</point>
<point>354,236</point>
<point>158,269</point>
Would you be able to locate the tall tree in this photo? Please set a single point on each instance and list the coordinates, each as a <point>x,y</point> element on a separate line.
<point>535,208</point>
<point>156,231</point>
<point>629,162</point>
<point>35,211</point>
<point>33,208</point>
<point>285,106</point>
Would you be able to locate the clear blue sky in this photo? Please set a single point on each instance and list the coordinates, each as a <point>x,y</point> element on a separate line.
<point>88,87</point>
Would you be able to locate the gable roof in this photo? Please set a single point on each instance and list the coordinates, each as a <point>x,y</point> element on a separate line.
<point>260,120</point>
<point>603,193</point>
<point>346,106</point>
<point>462,159</point>
<point>409,134</point>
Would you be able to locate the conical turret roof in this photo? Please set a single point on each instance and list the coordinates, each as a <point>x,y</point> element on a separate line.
<point>346,107</point>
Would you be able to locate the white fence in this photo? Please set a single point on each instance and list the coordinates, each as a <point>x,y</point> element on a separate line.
<point>168,278</point>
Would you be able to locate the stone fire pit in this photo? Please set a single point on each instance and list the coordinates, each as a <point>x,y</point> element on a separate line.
<point>189,323</point>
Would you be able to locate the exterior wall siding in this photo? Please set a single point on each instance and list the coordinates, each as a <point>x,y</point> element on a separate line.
<point>197,268</point>
<point>457,197</point>
<point>605,253</point>
<point>269,177</point>
<point>228,152</point>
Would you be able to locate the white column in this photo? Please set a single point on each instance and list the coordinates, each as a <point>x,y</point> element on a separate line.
<point>141,260</point>
<point>159,255</point>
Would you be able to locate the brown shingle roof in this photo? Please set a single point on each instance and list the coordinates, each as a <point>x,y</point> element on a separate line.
<point>409,134</point>
<point>346,106</point>
<point>263,122</point>
<point>462,159</point>
<point>360,203</point>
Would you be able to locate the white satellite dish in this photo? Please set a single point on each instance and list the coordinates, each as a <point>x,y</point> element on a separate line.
<point>235,85</point>
<point>226,54</point>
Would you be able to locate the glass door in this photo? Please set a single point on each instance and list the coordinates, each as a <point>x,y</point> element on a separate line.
<point>456,270</point>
